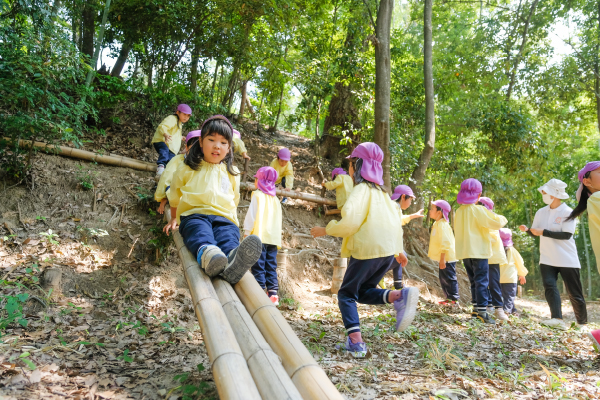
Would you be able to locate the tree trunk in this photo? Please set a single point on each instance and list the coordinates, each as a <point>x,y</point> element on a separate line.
<point>250,108</point>
<point>90,75</point>
<point>88,18</point>
<point>194,72</point>
<point>123,54</point>
<point>382,84</point>
<point>279,110</point>
<point>75,29</point>
<point>212,90</point>
<point>418,175</point>
<point>244,99</point>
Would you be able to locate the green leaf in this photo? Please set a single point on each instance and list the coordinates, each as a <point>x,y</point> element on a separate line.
<point>200,367</point>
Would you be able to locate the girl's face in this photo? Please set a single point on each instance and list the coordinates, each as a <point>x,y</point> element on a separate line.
<point>592,182</point>
<point>215,148</point>
<point>183,118</point>
<point>405,202</point>
<point>282,163</point>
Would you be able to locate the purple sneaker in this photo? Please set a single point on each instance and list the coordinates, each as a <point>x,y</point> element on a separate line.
<point>358,350</point>
<point>406,308</point>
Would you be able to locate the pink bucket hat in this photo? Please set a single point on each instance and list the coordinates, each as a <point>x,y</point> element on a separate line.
<point>402,189</point>
<point>372,156</point>
<point>470,189</point>
<point>444,205</point>
<point>506,237</point>
<point>237,134</point>
<point>184,108</point>
<point>284,154</point>
<point>266,177</point>
<point>487,203</point>
<point>337,171</point>
<point>192,134</point>
<point>589,167</point>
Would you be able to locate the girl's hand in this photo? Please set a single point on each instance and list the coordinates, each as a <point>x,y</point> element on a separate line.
<point>246,156</point>
<point>318,231</point>
<point>323,183</point>
<point>442,265</point>
<point>402,260</point>
<point>161,208</point>
<point>418,214</point>
<point>522,280</point>
<point>537,232</point>
<point>167,137</point>
<point>523,228</point>
<point>172,225</point>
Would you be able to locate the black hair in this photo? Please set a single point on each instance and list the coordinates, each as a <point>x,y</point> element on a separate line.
<point>193,141</point>
<point>178,121</point>
<point>357,177</point>
<point>438,208</point>
<point>213,127</point>
<point>583,199</point>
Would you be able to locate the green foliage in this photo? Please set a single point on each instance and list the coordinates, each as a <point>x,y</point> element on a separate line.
<point>160,241</point>
<point>85,178</point>
<point>12,305</point>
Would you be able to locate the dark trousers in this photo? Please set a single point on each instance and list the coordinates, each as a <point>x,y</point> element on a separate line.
<point>448,281</point>
<point>571,278</point>
<point>200,230</point>
<point>265,269</point>
<point>495,290</point>
<point>283,182</point>
<point>164,154</point>
<point>360,285</point>
<point>509,292</point>
<point>397,270</point>
<point>478,272</point>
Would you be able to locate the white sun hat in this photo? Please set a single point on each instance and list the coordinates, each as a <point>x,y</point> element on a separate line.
<point>555,188</point>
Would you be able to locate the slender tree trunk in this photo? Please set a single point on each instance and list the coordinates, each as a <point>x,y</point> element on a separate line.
<point>279,110</point>
<point>215,75</point>
<point>382,84</point>
<point>90,75</point>
<point>55,9</point>
<point>88,18</point>
<point>122,59</point>
<point>309,102</point>
<point>194,72</point>
<point>75,29</point>
<point>418,175</point>
<point>250,108</point>
<point>244,99</point>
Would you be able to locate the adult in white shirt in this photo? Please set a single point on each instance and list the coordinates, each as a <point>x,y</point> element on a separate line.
<point>558,253</point>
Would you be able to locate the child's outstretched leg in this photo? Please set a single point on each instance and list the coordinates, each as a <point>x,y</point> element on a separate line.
<point>397,270</point>
<point>495,291</point>
<point>199,238</point>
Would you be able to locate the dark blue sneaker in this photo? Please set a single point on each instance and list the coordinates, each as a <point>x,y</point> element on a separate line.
<point>406,308</point>
<point>357,350</point>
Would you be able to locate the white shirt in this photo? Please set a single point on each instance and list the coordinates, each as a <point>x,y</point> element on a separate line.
<point>554,252</point>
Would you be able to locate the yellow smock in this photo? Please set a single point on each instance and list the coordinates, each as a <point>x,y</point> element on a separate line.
<point>513,268</point>
<point>404,218</point>
<point>239,146</point>
<point>472,225</point>
<point>210,190</point>
<point>343,186</point>
<point>264,218</point>
<point>442,241</point>
<point>593,209</point>
<point>171,126</point>
<point>370,225</point>
<point>167,177</point>
<point>498,253</point>
<point>286,172</point>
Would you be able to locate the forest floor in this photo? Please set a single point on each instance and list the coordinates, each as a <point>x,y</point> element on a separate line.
<point>120,323</point>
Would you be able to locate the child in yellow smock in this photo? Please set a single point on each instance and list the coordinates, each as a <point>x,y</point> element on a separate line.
<point>285,171</point>
<point>342,183</point>
<point>167,138</point>
<point>239,146</point>
<point>511,272</point>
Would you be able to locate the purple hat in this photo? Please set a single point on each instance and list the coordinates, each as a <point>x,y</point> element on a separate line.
<point>589,167</point>
<point>444,205</point>
<point>284,154</point>
<point>506,236</point>
<point>372,156</point>
<point>266,177</point>
<point>237,134</point>
<point>217,117</point>
<point>184,108</point>
<point>470,189</point>
<point>338,171</point>
<point>192,134</point>
<point>402,189</point>
<point>487,203</point>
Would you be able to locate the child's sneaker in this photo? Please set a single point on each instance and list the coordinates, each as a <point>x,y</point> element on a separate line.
<point>274,299</point>
<point>357,350</point>
<point>501,315</point>
<point>406,308</point>
<point>213,261</point>
<point>447,302</point>
<point>242,258</point>
<point>595,338</point>
<point>159,170</point>
<point>485,318</point>
<point>284,200</point>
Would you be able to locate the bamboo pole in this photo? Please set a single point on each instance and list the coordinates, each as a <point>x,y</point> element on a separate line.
<point>229,368</point>
<point>307,375</point>
<point>294,195</point>
<point>266,368</point>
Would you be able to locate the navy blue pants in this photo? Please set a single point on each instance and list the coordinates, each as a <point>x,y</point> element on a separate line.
<point>265,269</point>
<point>495,293</point>
<point>397,270</point>
<point>360,285</point>
<point>509,292</point>
<point>478,272</point>
<point>448,281</point>
<point>164,154</point>
<point>200,230</point>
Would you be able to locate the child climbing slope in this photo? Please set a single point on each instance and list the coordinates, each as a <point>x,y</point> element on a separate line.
<point>285,171</point>
<point>204,195</point>
<point>239,146</point>
<point>510,273</point>
<point>370,227</point>
<point>441,250</point>
<point>167,138</point>
<point>342,183</point>
<point>264,220</point>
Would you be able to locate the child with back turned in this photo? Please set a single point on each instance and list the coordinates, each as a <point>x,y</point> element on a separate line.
<point>285,170</point>
<point>343,185</point>
<point>514,270</point>
<point>167,138</point>
<point>371,228</point>
<point>204,195</point>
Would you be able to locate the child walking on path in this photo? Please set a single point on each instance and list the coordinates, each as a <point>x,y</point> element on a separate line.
<point>441,249</point>
<point>512,271</point>
<point>370,227</point>
<point>498,258</point>
<point>342,183</point>
<point>204,195</point>
<point>285,170</point>
<point>164,183</point>
<point>264,220</point>
<point>167,138</point>
<point>472,225</point>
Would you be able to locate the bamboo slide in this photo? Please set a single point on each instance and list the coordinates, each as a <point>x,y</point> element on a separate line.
<point>294,195</point>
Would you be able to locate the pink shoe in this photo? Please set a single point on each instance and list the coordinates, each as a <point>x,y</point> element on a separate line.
<point>274,299</point>
<point>595,338</point>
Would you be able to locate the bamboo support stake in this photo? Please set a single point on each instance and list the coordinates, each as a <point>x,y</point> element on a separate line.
<point>307,375</point>
<point>229,368</point>
<point>266,368</point>
<point>294,195</point>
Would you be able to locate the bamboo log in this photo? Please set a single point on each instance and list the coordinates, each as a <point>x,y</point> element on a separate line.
<point>266,368</point>
<point>294,195</point>
<point>229,368</point>
<point>115,160</point>
<point>307,375</point>
<point>339,270</point>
